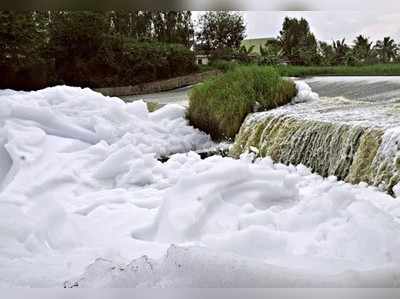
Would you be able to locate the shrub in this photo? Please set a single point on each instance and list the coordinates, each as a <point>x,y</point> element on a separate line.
<point>219,105</point>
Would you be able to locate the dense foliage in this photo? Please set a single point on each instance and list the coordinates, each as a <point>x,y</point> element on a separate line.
<point>94,49</point>
<point>220,33</point>
<point>23,49</point>
<point>219,105</point>
<point>114,48</point>
<point>152,61</point>
<point>297,45</point>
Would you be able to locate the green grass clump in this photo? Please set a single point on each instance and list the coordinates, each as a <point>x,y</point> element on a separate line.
<point>220,104</point>
<point>224,65</point>
<point>390,69</point>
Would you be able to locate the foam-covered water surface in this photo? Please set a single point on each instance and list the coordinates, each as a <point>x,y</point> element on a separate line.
<point>84,198</point>
<point>356,139</point>
<point>349,100</point>
<point>368,88</point>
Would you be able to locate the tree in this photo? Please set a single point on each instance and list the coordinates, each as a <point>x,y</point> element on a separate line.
<point>341,50</point>
<point>363,50</point>
<point>93,49</point>
<point>141,25</point>
<point>23,47</point>
<point>81,55</point>
<point>121,23</point>
<point>220,30</point>
<point>173,27</point>
<point>327,53</point>
<point>270,53</point>
<point>386,49</point>
<point>22,34</point>
<point>298,43</point>
<point>161,26</point>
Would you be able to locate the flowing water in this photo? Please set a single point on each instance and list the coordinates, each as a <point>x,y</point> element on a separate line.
<point>352,131</point>
<point>177,96</point>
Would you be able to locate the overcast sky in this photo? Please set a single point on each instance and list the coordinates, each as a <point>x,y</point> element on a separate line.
<point>327,25</point>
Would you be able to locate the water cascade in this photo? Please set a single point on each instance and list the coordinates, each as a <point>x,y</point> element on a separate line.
<point>357,141</point>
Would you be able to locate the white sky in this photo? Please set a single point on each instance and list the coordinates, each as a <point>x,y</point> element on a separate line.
<point>326,25</point>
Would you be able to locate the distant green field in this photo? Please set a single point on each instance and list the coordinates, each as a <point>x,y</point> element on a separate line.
<point>257,42</point>
<point>366,70</point>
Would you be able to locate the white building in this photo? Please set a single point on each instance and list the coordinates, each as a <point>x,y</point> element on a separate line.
<point>202,59</point>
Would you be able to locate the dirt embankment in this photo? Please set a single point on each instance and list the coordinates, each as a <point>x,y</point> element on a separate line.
<point>158,86</point>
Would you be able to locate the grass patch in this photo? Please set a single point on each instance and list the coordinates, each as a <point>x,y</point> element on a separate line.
<point>153,106</point>
<point>341,70</point>
<point>219,64</point>
<point>224,65</point>
<point>220,104</point>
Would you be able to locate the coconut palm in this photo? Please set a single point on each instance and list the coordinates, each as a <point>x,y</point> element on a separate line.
<point>340,49</point>
<point>246,50</point>
<point>363,50</point>
<point>386,49</point>
<point>327,53</point>
<point>243,54</point>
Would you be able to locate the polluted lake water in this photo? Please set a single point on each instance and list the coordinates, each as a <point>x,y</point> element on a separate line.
<point>350,130</point>
<point>86,202</point>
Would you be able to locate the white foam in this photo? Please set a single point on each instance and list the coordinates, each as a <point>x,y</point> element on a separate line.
<point>201,267</point>
<point>81,181</point>
<point>304,93</point>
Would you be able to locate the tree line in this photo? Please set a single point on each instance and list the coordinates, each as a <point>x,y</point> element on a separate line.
<point>220,34</point>
<point>297,45</point>
<point>94,49</point>
<point>116,48</point>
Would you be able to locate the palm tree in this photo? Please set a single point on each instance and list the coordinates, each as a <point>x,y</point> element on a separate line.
<point>244,52</point>
<point>363,49</point>
<point>340,49</point>
<point>386,49</point>
<point>327,53</point>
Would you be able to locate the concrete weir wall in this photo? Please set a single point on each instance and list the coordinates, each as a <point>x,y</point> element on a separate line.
<point>157,86</point>
<point>352,153</point>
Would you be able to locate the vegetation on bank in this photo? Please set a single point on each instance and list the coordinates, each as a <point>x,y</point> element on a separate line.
<point>297,45</point>
<point>93,49</point>
<point>220,104</point>
<point>388,69</point>
<point>391,69</point>
<point>110,48</point>
<point>119,48</point>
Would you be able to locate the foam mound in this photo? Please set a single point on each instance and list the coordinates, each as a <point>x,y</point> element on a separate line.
<point>83,197</point>
<point>200,267</point>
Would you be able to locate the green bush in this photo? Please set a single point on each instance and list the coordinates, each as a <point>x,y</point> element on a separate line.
<point>219,105</point>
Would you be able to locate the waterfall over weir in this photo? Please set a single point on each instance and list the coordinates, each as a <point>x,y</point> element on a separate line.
<point>355,140</point>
